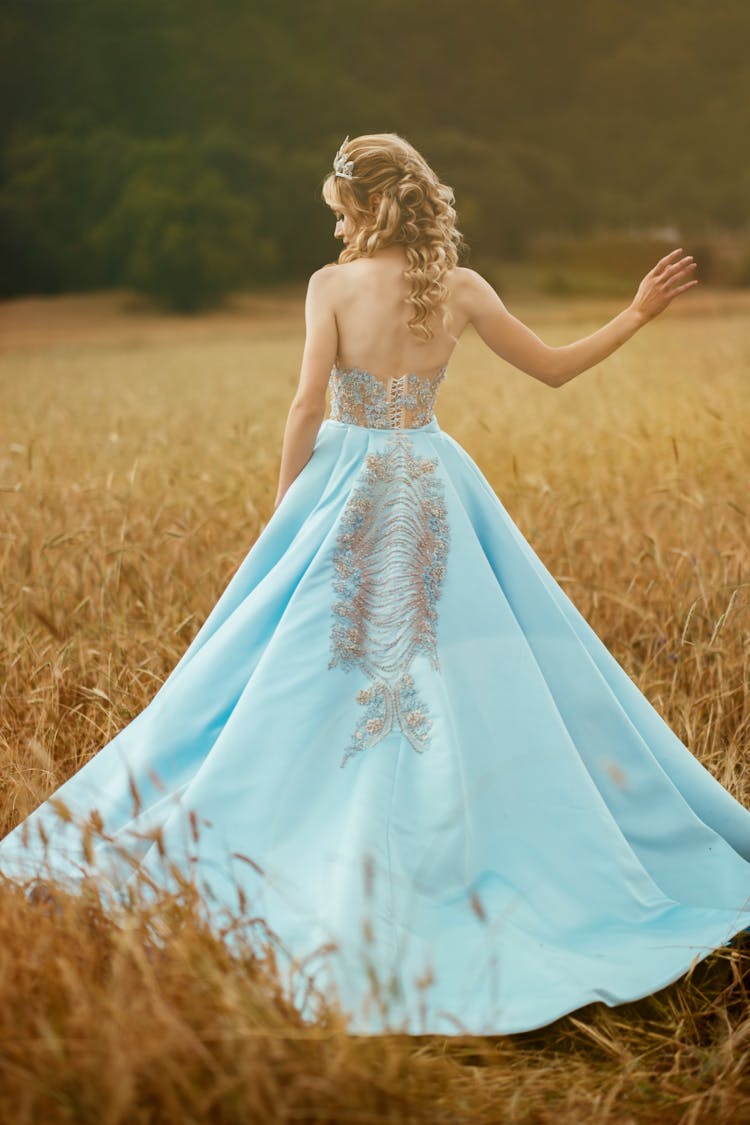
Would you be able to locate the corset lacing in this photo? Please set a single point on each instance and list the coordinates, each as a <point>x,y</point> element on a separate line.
<point>402,401</point>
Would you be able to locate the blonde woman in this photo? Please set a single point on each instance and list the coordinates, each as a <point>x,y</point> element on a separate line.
<point>403,744</point>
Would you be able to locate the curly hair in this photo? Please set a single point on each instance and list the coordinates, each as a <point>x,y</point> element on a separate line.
<point>416,209</point>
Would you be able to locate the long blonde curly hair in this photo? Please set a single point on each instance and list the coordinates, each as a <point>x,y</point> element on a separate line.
<point>416,209</point>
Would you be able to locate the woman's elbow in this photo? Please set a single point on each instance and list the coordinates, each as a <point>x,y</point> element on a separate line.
<point>557,369</point>
<point>306,407</point>
<point>549,370</point>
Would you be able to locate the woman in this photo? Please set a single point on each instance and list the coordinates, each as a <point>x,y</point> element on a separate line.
<point>394,734</point>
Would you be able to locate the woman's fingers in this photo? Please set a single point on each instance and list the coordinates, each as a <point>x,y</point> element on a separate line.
<point>668,278</point>
<point>666,261</point>
<point>688,262</point>
<point>680,288</point>
<point>683,272</point>
<point>683,263</point>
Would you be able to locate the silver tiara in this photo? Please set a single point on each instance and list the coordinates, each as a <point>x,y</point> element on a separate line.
<point>342,166</point>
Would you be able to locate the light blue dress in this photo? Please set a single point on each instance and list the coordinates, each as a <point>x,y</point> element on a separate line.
<point>398,738</point>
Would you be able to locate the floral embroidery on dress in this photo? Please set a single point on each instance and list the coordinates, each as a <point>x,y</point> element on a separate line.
<point>364,400</point>
<point>390,562</point>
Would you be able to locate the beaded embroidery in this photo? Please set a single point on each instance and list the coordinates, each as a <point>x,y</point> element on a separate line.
<point>404,401</point>
<point>390,564</point>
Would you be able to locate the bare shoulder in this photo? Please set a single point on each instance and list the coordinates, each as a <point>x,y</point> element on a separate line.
<point>322,284</point>
<point>334,279</point>
<point>331,285</point>
<point>323,276</point>
<point>461,275</point>
<point>473,294</point>
<point>467,281</point>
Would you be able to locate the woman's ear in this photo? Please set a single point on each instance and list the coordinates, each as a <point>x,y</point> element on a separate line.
<point>374,201</point>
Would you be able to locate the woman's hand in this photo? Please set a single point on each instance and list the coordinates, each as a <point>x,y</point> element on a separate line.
<point>662,283</point>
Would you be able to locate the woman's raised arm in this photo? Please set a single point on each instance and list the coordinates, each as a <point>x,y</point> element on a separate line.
<point>514,342</point>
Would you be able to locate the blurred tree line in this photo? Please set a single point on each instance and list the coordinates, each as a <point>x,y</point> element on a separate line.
<point>178,146</point>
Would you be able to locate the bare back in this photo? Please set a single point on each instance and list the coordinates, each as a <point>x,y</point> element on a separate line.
<point>370,304</point>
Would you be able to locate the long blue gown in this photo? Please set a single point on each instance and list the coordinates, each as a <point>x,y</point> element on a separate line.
<point>438,771</point>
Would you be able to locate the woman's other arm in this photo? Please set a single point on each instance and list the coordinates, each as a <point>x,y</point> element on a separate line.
<point>309,403</point>
<point>513,341</point>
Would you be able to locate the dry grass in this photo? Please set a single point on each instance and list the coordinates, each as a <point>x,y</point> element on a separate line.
<point>138,463</point>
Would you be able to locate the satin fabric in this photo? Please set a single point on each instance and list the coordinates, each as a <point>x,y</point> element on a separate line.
<point>554,844</point>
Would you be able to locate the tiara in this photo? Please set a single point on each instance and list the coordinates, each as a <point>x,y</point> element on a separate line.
<point>342,166</point>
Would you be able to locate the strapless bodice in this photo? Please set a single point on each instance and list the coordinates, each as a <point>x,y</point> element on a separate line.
<point>402,401</point>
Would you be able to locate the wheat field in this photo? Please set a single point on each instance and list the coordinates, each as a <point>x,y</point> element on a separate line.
<point>139,459</point>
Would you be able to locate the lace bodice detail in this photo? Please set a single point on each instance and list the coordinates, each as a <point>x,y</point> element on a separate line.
<point>402,401</point>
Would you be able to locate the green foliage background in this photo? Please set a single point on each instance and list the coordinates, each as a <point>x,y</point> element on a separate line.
<point>179,147</point>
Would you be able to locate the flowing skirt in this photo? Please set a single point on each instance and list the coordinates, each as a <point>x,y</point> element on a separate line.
<point>403,744</point>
